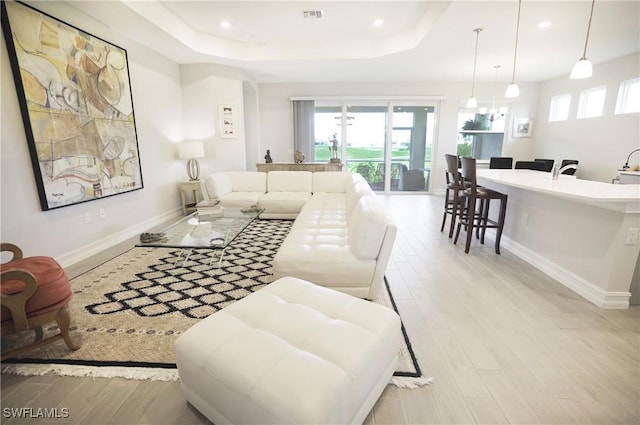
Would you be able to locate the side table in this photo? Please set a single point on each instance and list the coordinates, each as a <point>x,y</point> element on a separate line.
<point>190,195</point>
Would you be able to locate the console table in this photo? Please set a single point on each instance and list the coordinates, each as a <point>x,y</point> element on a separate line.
<point>305,166</point>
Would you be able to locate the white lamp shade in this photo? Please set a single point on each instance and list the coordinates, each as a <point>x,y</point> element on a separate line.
<point>512,90</point>
<point>472,102</point>
<point>582,69</point>
<point>194,149</point>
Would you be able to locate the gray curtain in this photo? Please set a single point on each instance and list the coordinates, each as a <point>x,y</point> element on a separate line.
<point>303,128</point>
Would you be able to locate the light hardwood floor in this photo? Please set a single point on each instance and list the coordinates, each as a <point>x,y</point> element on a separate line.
<point>504,343</point>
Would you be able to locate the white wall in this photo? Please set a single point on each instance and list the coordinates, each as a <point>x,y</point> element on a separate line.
<point>600,144</point>
<point>62,233</point>
<point>276,119</point>
<point>204,88</point>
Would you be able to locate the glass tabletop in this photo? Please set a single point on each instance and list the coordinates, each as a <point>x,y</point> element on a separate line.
<point>205,231</point>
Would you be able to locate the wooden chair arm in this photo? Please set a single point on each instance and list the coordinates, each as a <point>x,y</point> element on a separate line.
<point>14,249</point>
<point>16,302</point>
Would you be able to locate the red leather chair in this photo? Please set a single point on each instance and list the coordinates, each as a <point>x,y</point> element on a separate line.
<point>35,291</point>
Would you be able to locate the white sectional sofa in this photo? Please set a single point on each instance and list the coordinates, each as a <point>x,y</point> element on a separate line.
<point>282,194</point>
<point>341,238</point>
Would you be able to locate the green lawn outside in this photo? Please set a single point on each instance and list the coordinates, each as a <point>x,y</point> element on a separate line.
<point>323,153</point>
<point>366,160</point>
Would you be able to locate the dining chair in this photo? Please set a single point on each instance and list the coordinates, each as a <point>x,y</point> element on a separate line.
<point>530,165</point>
<point>569,171</point>
<point>501,162</point>
<point>548,164</point>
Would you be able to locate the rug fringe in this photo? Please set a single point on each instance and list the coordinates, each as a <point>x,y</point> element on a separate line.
<point>141,373</point>
<point>411,383</point>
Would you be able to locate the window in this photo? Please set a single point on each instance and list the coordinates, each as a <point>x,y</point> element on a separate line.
<point>388,142</point>
<point>480,135</point>
<point>559,110</point>
<point>591,102</point>
<point>628,97</point>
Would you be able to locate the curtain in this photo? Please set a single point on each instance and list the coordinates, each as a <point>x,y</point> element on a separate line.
<point>303,128</point>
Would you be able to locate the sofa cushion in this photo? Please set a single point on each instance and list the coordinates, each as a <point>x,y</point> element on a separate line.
<point>283,202</point>
<point>241,199</point>
<point>367,227</point>
<point>331,182</point>
<point>248,181</point>
<point>290,181</point>
<point>322,256</point>
<point>354,193</point>
<point>218,185</point>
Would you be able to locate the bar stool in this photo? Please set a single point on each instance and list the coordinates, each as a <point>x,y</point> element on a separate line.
<point>482,196</point>
<point>452,200</point>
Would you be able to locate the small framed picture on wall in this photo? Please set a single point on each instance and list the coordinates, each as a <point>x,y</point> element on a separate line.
<point>522,127</point>
<point>228,121</point>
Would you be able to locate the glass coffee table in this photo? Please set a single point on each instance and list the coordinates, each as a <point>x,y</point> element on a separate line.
<point>213,232</point>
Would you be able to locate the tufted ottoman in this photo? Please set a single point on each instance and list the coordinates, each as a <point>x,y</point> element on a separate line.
<point>290,353</point>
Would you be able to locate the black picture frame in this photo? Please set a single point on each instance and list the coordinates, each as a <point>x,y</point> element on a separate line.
<point>76,103</point>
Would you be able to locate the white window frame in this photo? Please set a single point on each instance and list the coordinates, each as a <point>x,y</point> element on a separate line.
<point>557,110</point>
<point>628,97</point>
<point>589,105</point>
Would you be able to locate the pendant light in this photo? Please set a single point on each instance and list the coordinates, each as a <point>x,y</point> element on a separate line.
<point>583,68</point>
<point>513,90</point>
<point>473,102</point>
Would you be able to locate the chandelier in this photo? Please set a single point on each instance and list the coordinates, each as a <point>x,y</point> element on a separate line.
<point>493,113</point>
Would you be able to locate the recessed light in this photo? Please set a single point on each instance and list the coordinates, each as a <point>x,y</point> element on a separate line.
<point>544,24</point>
<point>225,24</point>
<point>378,22</point>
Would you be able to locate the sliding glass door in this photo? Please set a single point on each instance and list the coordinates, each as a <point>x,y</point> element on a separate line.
<point>388,143</point>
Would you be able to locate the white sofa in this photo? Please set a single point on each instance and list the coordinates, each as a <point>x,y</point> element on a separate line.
<point>341,238</point>
<point>282,194</point>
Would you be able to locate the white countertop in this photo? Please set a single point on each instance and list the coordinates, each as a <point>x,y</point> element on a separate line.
<point>619,197</point>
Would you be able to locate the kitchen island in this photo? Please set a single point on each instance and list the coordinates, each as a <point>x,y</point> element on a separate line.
<point>582,233</point>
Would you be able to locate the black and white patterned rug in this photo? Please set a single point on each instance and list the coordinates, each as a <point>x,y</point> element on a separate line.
<point>129,310</point>
<point>190,282</point>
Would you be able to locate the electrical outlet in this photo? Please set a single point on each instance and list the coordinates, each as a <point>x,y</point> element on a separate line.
<point>632,236</point>
<point>87,218</point>
<point>525,218</point>
<point>103,214</point>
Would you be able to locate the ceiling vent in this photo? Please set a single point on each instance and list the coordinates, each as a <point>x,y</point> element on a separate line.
<point>312,14</point>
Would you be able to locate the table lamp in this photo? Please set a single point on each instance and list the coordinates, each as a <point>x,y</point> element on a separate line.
<point>192,150</point>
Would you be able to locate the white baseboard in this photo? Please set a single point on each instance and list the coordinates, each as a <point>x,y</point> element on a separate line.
<point>100,245</point>
<point>579,285</point>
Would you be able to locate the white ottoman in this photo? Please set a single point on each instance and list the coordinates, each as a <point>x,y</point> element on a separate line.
<point>291,353</point>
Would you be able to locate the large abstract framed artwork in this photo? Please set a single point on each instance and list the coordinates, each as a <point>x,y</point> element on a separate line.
<point>75,98</point>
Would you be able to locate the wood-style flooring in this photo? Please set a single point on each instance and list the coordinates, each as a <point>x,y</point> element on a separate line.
<point>505,344</point>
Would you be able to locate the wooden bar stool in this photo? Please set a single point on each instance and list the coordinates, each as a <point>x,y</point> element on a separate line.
<point>452,200</point>
<point>480,196</point>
